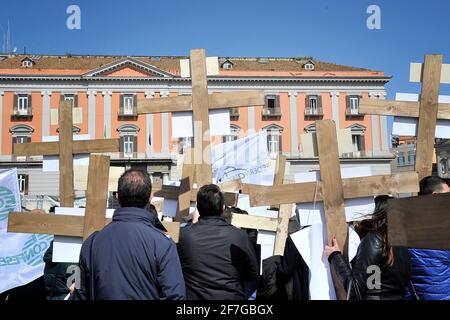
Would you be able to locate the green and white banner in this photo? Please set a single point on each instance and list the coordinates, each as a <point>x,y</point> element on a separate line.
<point>20,253</point>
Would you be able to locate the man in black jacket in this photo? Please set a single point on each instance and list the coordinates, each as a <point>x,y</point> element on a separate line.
<point>130,259</point>
<point>217,258</point>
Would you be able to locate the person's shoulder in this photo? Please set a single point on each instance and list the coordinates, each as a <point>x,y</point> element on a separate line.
<point>373,239</point>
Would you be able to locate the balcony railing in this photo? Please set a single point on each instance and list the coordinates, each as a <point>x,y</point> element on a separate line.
<point>352,112</point>
<point>313,112</point>
<point>271,112</point>
<point>26,113</point>
<point>128,113</point>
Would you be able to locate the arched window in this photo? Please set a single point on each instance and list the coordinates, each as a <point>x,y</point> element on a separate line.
<point>128,139</point>
<point>234,134</point>
<point>274,139</point>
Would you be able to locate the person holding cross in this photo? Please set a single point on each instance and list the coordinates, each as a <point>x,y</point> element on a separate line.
<point>130,259</point>
<point>378,271</point>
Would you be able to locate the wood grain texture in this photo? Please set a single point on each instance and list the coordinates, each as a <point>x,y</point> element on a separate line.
<point>399,108</point>
<point>200,110</point>
<point>405,182</point>
<point>330,175</point>
<point>96,146</point>
<point>282,228</point>
<point>65,155</point>
<point>218,100</point>
<point>420,222</point>
<point>97,194</point>
<point>62,225</point>
<point>254,222</point>
<point>428,115</point>
<point>36,149</point>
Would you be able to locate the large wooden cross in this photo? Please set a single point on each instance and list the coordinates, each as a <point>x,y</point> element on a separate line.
<point>66,148</point>
<point>197,164</point>
<point>78,226</point>
<point>427,110</point>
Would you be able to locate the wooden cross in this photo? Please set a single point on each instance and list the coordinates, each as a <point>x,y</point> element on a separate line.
<point>197,166</point>
<point>78,226</point>
<point>428,110</point>
<point>66,148</point>
<point>332,189</point>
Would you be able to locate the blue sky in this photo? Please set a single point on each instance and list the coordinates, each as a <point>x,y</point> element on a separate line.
<point>332,31</point>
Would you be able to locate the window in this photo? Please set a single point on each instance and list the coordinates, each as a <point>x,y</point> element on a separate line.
<point>274,140</point>
<point>353,105</point>
<point>21,134</point>
<point>234,133</point>
<point>411,157</point>
<point>27,63</point>
<point>128,139</point>
<point>444,166</point>
<point>227,65</point>
<point>22,104</point>
<point>127,105</point>
<point>401,159</point>
<point>309,66</point>
<point>313,105</point>
<point>272,106</point>
<point>23,183</point>
<point>184,144</point>
<point>358,141</point>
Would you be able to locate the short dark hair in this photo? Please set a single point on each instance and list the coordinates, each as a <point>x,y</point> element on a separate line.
<point>431,184</point>
<point>134,188</point>
<point>210,200</point>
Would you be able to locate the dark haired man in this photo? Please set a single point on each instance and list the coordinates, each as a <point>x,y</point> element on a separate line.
<point>217,258</point>
<point>431,268</point>
<point>130,258</point>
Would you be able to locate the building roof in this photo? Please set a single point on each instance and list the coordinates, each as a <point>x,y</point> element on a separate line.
<point>80,64</point>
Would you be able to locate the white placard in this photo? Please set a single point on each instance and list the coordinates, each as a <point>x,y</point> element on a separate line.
<point>244,204</point>
<point>355,209</point>
<point>406,126</point>
<point>267,241</point>
<point>51,163</point>
<point>170,208</point>
<point>67,249</point>
<point>219,123</point>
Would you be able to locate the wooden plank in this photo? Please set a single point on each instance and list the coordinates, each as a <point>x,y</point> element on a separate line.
<point>330,176</point>
<point>218,100</point>
<point>65,155</point>
<point>62,225</point>
<point>254,222</point>
<point>399,108</point>
<point>186,184</point>
<point>280,168</point>
<point>200,107</point>
<point>420,222</point>
<point>97,194</point>
<point>36,149</point>
<point>96,146</point>
<point>404,182</point>
<point>282,229</point>
<point>428,115</point>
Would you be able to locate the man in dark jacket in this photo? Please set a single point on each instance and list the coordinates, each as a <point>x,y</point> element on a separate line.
<point>217,258</point>
<point>431,268</point>
<point>130,258</point>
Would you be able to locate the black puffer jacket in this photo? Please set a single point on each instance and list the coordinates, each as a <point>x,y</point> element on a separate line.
<point>56,275</point>
<point>393,281</point>
<point>217,258</point>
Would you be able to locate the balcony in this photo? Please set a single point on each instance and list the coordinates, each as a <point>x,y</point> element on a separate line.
<point>128,113</point>
<point>352,112</point>
<point>271,113</point>
<point>22,114</point>
<point>234,113</point>
<point>314,112</point>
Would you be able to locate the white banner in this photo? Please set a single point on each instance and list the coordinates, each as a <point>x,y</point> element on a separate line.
<point>241,159</point>
<point>20,253</point>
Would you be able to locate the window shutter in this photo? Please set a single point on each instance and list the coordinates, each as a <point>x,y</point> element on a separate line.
<point>348,101</point>
<point>30,104</point>
<point>75,101</point>
<point>121,144</point>
<point>134,143</point>
<point>28,139</point>
<point>319,102</point>
<point>25,191</point>
<point>363,143</point>
<point>135,104</point>
<point>277,102</point>
<point>16,101</point>
<point>267,102</point>
<point>280,139</point>
<point>307,102</point>
<point>268,141</point>
<point>121,104</point>
<point>14,140</point>
<point>61,98</point>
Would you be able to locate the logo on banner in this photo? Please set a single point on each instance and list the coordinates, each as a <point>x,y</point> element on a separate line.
<point>7,202</point>
<point>32,252</point>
